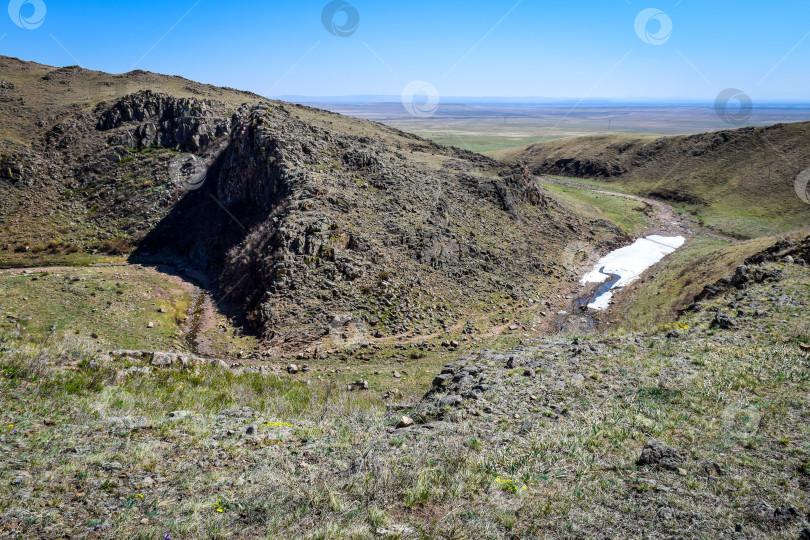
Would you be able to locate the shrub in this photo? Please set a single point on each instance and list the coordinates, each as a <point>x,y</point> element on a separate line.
<point>115,246</point>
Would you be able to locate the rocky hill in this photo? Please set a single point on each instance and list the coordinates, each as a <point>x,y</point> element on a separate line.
<point>740,182</point>
<point>313,227</point>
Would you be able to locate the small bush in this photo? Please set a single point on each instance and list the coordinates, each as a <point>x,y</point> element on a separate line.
<point>115,246</point>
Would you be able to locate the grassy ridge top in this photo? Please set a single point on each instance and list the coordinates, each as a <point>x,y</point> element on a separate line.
<point>738,182</point>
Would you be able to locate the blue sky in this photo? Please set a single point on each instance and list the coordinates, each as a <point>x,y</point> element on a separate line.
<point>564,49</point>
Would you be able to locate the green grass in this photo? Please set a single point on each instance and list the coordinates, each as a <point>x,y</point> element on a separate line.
<point>324,465</point>
<point>673,285</point>
<point>114,303</point>
<point>627,214</point>
<point>10,259</point>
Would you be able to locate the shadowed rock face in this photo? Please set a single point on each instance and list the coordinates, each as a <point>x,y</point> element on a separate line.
<point>304,221</point>
<point>303,215</point>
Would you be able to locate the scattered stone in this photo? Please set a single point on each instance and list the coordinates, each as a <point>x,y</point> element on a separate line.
<point>48,422</point>
<point>251,430</point>
<point>805,534</point>
<point>442,379</point>
<point>711,468</point>
<point>529,372</point>
<point>659,454</point>
<point>451,401</point>
<point>397,375</point>
<point>764,512</point>
<point>741,277</point>
<point>161,359</point>
<point>666,513</point>
<point>723,320</point>
<point>150,325</point>
<point>292,369</point>
<point>405,421</point>
<point>20,478</point>
<point>177,415</point>
<point>358,385</point>
<point>218,363</point>
<point>394,531</point>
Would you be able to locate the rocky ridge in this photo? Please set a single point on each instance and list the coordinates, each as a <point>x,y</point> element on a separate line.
<point>315,228</point>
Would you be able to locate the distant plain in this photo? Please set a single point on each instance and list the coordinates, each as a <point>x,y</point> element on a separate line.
<point>490,128</point>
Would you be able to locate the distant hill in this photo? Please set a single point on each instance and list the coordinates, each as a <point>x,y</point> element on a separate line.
<point>308,222</point>
<point>738,182</point>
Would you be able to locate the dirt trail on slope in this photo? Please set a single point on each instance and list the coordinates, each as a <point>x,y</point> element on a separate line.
<point>670,222</point>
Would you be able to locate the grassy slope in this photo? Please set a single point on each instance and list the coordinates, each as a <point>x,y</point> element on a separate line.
<point>627,214</point>
<point>673,284</point>
<point>325,464</point>
<point>114,303</point>
<point>740,182</point>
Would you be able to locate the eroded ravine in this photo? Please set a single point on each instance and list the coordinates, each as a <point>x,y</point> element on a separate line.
<point>667,222</point>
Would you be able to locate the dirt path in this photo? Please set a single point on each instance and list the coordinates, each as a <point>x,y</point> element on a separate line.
<point>670,222</point>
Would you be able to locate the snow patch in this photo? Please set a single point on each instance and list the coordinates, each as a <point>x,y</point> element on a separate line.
<point>628,263</point>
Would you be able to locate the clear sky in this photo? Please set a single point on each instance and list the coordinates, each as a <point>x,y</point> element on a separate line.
<point>506,48</point>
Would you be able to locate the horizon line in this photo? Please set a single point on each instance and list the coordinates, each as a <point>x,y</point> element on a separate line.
<point>362,99</point>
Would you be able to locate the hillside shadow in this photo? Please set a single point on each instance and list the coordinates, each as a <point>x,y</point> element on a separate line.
<point>193,241</point>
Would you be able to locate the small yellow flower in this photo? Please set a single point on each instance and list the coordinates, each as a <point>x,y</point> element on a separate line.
<point>220,510</point>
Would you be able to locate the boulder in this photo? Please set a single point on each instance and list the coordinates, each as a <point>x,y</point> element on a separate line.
<point>658,454</point>
<point>358,385</point>
<point>162,359</point>
<point>724,321</point>
<point>451,401</point>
